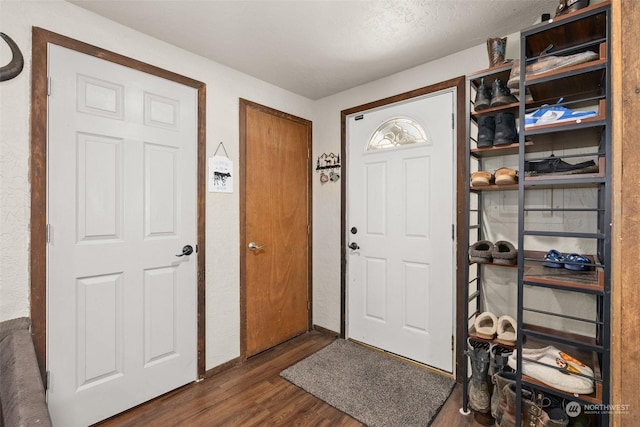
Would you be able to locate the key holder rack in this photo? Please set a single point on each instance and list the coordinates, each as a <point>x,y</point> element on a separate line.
<point>328,161</point>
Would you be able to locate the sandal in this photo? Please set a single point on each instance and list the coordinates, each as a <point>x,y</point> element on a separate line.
<point>553,259</point>
<point>577,262</point>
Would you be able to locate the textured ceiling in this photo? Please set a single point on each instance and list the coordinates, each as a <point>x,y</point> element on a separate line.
<point>318,48</point>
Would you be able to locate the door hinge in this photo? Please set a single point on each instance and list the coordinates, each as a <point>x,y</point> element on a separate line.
<point>48,233</point>
<point>48,85</point>
<point>308,305</point>
<point>453,232</point>
<point>453,121</point>
<point>47,380</point>
<point>451,342</point>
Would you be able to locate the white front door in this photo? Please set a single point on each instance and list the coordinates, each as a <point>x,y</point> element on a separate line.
<point>400,216</point>
<point>122,307</point>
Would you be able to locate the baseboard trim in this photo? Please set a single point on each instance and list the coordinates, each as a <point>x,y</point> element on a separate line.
<point>325,331</point>
<point>221,368</point>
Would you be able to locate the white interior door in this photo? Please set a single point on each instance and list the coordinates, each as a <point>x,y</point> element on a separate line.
<point>121,319</point>
<point>401,203</point>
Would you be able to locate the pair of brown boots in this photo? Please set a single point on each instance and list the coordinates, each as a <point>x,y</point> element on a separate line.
<point>503,406</point>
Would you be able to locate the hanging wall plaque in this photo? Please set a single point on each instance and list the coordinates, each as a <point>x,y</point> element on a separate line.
<point>220,173</point>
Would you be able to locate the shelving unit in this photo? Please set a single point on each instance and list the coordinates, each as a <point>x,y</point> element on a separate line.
<point>585,228</point>
<point>584,85</point>
<point>475,161</point>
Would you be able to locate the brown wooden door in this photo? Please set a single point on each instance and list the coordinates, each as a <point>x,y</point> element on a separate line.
<point>275,210</point>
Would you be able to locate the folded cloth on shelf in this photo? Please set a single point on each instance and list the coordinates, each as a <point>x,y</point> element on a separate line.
<point>555,368</point>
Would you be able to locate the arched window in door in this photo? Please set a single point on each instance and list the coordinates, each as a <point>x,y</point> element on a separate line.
<point>396,132</point>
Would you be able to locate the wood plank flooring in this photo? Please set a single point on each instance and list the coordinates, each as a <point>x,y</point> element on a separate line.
<point>254,394</point>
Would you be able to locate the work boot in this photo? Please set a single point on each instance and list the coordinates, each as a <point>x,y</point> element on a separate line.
<point>530,411</point>
<point>500,94</point>
<point>486,131</point>
<point>479,392</point>
<point>495,48</point>
<point>505,129</point>
<point>498,398</point>
<point>483,97</point>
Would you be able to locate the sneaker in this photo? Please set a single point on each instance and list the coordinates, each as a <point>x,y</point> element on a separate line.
<point>556,166</point>
<point>551,114</point>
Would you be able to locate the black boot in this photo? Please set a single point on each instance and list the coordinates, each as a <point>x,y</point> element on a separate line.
<point>479,391</point>
<point>501,95</point>
<point>505,130</point>
<point>486,131</point>
<point>483,97</point>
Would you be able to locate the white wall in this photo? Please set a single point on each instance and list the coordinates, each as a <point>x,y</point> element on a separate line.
<point>326,138</point>
<point>224,87</point>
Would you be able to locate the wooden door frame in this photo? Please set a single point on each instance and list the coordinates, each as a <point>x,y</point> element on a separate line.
<point>38,175</point>
<point>244,105</point>
<point>457,83</point>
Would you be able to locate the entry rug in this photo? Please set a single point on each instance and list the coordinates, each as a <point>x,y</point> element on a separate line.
<point>374,388</point>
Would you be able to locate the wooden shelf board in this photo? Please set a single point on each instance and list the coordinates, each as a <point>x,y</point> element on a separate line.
<point>588,280</point>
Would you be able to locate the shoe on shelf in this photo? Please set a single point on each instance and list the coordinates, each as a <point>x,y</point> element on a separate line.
<point>501,95</point>
<point>552,114</point>
<point>555,368</point>
<point>480,252</point>
<point>555,165</point>
<point>507,332</point>
<point>546,63</point>
<point>577,262</point>
<point>505,129</point>
<point>553,259</point>
<point>481,178</point>
<point>504,253</point>
<point>486,131</point>
<point>486,325</point>
<point>483,97</point>
<point>566,6</point>
<point>505,176</point>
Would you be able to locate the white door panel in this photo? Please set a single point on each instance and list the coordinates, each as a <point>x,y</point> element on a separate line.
<point>121,204</point>
<point>401,200</point>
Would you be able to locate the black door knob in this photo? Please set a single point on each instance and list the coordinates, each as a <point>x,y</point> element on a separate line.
<point>186,250</point>
<point>354,246</point>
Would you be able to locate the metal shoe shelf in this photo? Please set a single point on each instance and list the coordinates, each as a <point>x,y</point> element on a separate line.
<point>474,230</point>
<point>587,86</point>
<point>583,85</point>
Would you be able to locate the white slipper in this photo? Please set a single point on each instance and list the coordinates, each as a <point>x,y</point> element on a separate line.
<point>553,352</point>
<point>507,333</point>
<point>486,325</point>
<point>557,373</point>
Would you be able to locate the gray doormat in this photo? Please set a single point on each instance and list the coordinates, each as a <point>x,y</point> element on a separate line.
<point>376,389</point>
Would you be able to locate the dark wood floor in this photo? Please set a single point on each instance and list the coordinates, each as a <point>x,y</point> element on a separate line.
<point>254,394</point>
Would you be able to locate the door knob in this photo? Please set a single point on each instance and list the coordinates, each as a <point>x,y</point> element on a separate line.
<point>254,247</point>
<point>186,250</point>
<point>354,246</point>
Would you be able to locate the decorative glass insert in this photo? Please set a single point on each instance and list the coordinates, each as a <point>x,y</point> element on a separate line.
<point>397,132</point>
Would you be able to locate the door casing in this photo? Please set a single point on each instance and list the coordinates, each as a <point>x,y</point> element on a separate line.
<point>244,105</point>
<point>38,174</point>
<point>461,175</point>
